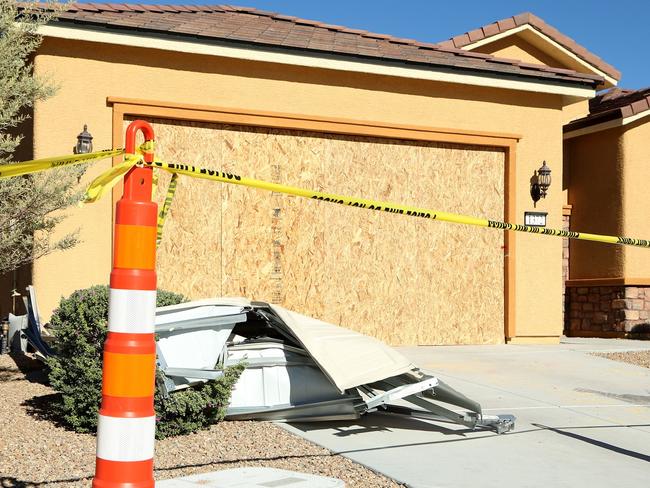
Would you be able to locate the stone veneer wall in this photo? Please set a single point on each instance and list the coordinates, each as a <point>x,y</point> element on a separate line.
<point>608,310</point>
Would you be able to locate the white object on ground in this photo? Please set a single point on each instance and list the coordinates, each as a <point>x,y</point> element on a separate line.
<point>253,478</point>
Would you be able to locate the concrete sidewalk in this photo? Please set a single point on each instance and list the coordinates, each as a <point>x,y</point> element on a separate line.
<point>582,420</point>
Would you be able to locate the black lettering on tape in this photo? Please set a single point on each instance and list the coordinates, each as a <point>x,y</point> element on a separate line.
<point>633,242</point>
<point>499,225</point>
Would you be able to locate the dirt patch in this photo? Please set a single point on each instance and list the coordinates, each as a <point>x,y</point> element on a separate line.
<point>639,358</point>
<point>36,451</point>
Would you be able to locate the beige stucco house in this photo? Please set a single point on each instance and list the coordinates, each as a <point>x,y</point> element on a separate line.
<point>607,162</point>
<point>459,126</point>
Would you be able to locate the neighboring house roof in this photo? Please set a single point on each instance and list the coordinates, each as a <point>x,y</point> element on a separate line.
<point>468,39</point>
<point>612,108</point>
<point>628,102</point>
<point>230,24</point>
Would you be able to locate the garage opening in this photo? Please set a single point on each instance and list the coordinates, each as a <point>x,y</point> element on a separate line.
<point>400,280</point>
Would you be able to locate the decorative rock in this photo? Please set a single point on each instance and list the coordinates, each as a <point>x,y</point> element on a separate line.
<point>631,315</point>
<point>599,318</point>
<point>631,324</point>
<point>607,308</point>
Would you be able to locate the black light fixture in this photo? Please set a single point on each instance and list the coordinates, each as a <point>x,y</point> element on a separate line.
<point>84,142</point>
<point>540,182</point>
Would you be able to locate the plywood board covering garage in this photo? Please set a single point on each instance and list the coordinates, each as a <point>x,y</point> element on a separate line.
<point>400,279</point>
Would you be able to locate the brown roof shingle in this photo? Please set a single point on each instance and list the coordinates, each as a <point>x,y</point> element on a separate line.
<point>242,24</point>
<point>611,105</point>
<point>617,98</point>
<point>535,22</point>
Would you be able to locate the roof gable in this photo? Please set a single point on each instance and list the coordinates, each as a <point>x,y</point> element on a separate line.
<point>557,47</point>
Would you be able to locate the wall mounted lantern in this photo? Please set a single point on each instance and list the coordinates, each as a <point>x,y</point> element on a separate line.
<point>84,142</point>
<point>540,182</point>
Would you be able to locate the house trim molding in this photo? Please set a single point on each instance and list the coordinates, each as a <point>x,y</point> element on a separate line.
<point>123,107</point>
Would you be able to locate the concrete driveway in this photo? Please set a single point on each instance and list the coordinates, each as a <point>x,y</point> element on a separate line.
<point>582,420</point>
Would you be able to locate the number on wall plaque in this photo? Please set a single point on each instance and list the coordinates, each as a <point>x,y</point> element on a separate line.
<point>535,219</point>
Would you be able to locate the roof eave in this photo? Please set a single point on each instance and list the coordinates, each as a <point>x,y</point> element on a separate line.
<point>179,42</point>
<point>618,117</point>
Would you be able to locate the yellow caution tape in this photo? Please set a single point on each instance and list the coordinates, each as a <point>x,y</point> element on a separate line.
<point>38,165</point>
<point>154,186</point>
<point>394,208</point>
<point>147,147</point>
<point>108,179</point>
<point>171,190</point>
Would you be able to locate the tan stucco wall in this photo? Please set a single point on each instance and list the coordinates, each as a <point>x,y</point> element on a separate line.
<point>595,167</point>
<point>575,110</point>
<point>514,47</point>
<point>88,73</point>
<point>636,201</point>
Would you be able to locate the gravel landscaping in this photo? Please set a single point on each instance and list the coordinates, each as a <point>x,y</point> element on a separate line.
<point>36,451</point>
<point>639,358</point>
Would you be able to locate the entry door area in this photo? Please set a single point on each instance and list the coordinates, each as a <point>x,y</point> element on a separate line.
<point>403,280</point>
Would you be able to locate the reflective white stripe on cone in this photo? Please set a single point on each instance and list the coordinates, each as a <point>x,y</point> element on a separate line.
<point>131,311</point>
<point>125,439</point>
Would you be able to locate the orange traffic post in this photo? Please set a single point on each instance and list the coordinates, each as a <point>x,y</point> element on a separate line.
<point>127,422</point>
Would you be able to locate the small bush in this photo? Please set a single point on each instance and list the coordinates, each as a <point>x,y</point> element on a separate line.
<point>80,328</point>
<point>195,408</point>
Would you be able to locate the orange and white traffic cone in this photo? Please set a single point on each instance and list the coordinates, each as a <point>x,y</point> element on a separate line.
<point>127,422</point>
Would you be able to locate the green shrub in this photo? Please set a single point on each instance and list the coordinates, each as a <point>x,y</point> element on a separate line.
<point>80,328</point>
